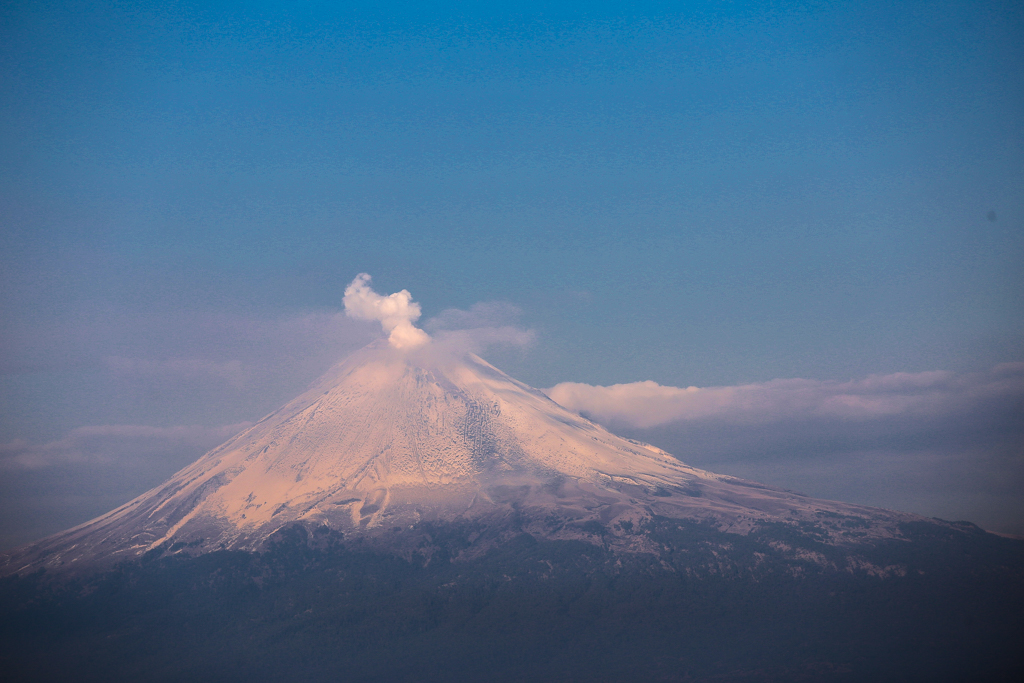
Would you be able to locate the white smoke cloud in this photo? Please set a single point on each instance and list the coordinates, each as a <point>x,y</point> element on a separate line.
<point>396,312</point>
<point>483,314</point>
<point>486,324</point>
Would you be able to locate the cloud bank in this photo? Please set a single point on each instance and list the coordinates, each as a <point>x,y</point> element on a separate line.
<point>936,443</point>
<point>395,312</point>
<point>120,445</point>
<point>908,395</point>
<point>50,486</point>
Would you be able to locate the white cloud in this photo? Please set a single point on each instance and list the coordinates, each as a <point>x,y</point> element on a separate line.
<point>936,443</point>
<point>230,371</point>
<point>396,312</point>
<point>923,394</point>
<point>217,345</point>
<point>116,445</point>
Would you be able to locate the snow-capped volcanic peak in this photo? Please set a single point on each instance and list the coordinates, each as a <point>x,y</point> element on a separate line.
<point>393,436</point>
<point>386,424</point>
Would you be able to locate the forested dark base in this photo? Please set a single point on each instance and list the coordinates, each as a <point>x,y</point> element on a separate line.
<point>716,606</point>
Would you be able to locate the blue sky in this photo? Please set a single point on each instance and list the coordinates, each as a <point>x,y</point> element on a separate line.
<point>702,194</point>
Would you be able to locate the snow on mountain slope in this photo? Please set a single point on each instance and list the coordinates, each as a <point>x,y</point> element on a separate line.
<point>388,438</point>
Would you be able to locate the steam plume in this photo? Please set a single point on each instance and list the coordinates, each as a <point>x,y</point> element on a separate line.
<point>396,312</point>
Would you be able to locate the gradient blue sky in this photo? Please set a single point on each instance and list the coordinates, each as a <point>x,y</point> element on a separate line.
<point>692,193</point>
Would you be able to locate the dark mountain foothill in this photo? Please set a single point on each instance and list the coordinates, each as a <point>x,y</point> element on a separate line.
<point>421,605</point>
<point>420,518</point>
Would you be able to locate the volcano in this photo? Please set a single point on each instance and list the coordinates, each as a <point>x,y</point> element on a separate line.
<point>388,439</point>
<point>418,515</point>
